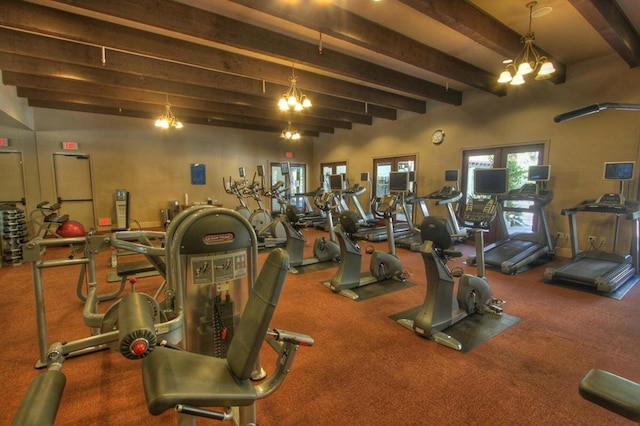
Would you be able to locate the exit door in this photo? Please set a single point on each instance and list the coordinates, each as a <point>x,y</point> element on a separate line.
<point>12,190</point>
<point>74,187</point>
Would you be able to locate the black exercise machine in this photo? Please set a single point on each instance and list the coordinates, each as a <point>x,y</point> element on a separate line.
<point>440,308</point>
<point>383,266</point>
<point>604,270</point>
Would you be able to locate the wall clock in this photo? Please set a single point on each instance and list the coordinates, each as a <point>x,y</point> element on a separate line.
<point>437,137</point>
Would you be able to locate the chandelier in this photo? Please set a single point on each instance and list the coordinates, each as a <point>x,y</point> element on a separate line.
<point>293,99</point>
<point>527,61</point>
<point>167,119</point>
<point>290,133</point>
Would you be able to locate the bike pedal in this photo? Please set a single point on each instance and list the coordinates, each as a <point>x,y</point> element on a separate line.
<point>496,310</point>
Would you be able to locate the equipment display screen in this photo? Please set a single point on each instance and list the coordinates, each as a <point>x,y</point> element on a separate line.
<point>539,173</point>
<point>491,181</point>
<point>399,181</point>
<point>260,170</point>
<point>336,182</point>
<point>619,170</point>
<point>451,175</point>
<point>284,168</point>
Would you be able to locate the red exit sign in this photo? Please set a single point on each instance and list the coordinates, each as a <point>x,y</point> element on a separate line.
<point>4,142</point>
<point>70,146</point>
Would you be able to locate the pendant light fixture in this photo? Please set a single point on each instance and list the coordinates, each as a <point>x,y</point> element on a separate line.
<point>293,99</point>
<point>290,133</point>
<point>528,60</point>
<point>167,119</point>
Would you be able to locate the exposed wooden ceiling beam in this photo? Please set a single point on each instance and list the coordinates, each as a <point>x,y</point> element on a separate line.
<point>474,23</point>
<point>348,26</point>
<point>156,100</point>
<point>183,19</point>
<point>57,23</point>
<point>38,97</point>
<point>612,24</point>
<point>150,74</point>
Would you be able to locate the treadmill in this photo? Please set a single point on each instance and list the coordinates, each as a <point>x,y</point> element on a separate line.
<point>400,186</point>
<point>447,196</point>
<point>606,271</point>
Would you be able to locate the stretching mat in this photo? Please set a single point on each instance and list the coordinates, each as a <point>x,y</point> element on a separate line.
<point>377,289</point>
<point>473,330</point>
<point>313,268</point>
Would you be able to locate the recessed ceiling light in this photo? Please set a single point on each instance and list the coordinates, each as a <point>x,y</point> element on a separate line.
<point>541,12</point>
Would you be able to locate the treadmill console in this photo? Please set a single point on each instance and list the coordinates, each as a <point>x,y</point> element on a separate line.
<point>611,199</point>
<point>480,212</point>
<point>529,189</point>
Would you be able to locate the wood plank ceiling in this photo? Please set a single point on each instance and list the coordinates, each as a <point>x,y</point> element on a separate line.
<point>227,62</point>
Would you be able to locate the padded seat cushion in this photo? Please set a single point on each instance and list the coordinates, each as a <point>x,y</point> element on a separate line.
<point>173,377</point>
<point>615,393</point>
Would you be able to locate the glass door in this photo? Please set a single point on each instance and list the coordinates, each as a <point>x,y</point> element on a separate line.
<point>517,159</point>
<point>295,181</point>
<point>382,167</point>
<point>336,168</point>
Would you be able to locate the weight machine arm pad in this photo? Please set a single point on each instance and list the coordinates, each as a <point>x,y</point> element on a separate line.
<point>615,393</point>
<point>40,404</point>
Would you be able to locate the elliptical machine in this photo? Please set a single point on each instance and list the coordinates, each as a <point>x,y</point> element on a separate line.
<point>440,309</point>
<point>323,250</point>
<point>383,266</point>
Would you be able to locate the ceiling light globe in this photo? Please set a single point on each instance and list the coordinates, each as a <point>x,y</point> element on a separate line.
<point>505,77</point>
<point>178,124</point>
<point>283,105</point>
<point>517,80</point>
<point>547,68</point>
<point>525,68</point>
<point>295,136</point>
<point>306,103</point>
<point>292,101</point>
<point>298,107</point>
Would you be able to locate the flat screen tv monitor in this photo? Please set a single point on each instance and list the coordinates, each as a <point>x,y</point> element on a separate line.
<point>539,173</point>
<point>364,177</point>
<point>260,170</point>
<point>241,172</point>
<point>451,175</point>
<point>399,181</point>
<point>336,182</point>
<point>619,170</point>
<point>284,168</point>
<point>492,182</point>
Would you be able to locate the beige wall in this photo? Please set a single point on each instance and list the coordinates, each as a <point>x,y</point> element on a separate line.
<point>576,149</point>
<point>154,165</point>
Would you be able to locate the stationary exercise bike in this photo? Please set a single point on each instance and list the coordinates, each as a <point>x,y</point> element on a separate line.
<point>383,266</point>
<point>440,309</point>
<point>323,250</point>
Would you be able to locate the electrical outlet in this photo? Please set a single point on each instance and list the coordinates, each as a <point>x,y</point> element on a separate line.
<point>592,239</point>
<point>559,235</point>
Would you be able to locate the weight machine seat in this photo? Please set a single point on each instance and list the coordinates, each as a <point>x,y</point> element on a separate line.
<point>615,393</point>
<point>172,377</point>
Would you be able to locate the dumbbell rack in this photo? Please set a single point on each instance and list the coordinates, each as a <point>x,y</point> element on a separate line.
<point>13,227</point>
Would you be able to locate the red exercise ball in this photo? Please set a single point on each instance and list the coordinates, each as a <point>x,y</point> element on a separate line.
<point>71,229</point>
